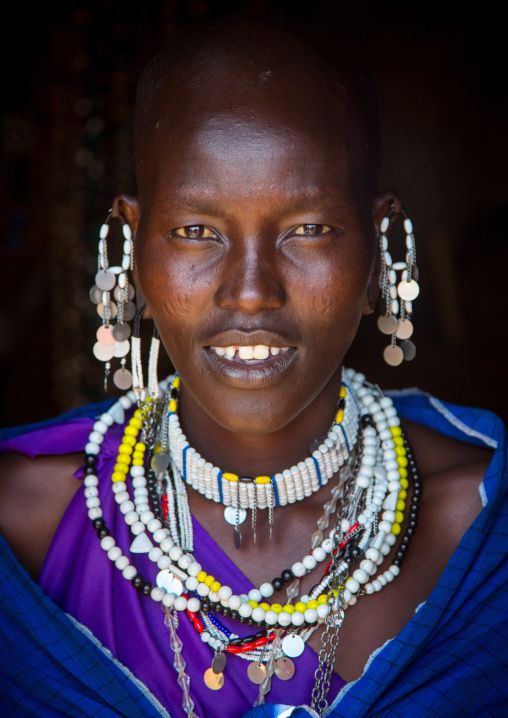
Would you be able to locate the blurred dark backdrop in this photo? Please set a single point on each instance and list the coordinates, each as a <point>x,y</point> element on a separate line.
<point>69,72</point>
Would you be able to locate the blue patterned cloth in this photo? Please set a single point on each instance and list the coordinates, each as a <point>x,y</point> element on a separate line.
<point>449,661</point>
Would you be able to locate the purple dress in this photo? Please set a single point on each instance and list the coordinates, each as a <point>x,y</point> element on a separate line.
<point>82,581</point>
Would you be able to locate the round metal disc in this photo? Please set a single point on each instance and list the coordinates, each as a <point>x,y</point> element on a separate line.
<point>103,353</point>
<point>284,669</point>
<point>408,290</point>
<point>130,293</point>
<point>393,355</point>
<point>122,378</point>
<point>113,311</point>
<point>105,336</point>
<point>121,332</point>
<point>165,579</point>
<point>404,329</point>
<point>214,681</point>
<point>256,672</point>
<point>219,662</point>
<point>105,280</point>
<point>293,645</point>
<point>408,349</point>
<point>129,311</point>
<point>234,516</point>
<point>387,323</point>
<point>121,349</point>
<point>160,462</point>
<point>95,294</point>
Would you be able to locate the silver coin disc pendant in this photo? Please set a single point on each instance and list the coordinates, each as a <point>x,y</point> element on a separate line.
<point>387,324</point>
<point>408,349</point>
<point>159,462</point>
<point>293,645</point>
<point>165,579</point>
<point>214,681</point>
<point>256,672</point>
<point>284,669</point>
<point>404,329</point>
<point>408,290</point>
<point>219,663</point>
<point>393,355</point>
<point>122,378</point>
<point>105,280</point>
<point>234,516</point>
<point>105,336</point>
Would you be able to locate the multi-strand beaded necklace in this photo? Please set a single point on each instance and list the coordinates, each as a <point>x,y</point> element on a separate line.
<point>365,447</point>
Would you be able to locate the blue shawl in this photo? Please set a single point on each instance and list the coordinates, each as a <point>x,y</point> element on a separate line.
<point>450,660</point>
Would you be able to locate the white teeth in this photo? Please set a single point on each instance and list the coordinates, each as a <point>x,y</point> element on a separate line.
<point>246,352</point>
<point>230,352</point>
<point>261,352</point>
<point>220,351</point>
<point>274,350</point>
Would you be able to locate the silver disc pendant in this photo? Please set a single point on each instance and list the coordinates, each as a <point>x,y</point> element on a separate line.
<point>103,352</point>
<point>293,645</point>
<point>105,280</point>
<point>121,349</point>
<point>129,311</point>
<point>219,662</point>
<point>387,324</point>
<point>214,681</point>
<point>256,672</point>
<point>95,294</point>
<point>159,463</point>
<point>393,355</point>
<point>105,336</point>
<point>404,329</point>
<point>122,378</point>
<point>408,349</point>
<point>408,290</point>
<point>166,579</point>
<point>234,516</point>
<point>121,332</point>
<point>284,669</point>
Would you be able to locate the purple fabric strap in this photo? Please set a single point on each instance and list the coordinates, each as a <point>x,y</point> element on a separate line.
<point>81,580</point>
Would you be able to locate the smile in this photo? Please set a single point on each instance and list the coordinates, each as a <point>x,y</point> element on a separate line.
<point>254,354</point>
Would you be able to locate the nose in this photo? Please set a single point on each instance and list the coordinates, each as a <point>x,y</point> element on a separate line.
<point>251,280</point>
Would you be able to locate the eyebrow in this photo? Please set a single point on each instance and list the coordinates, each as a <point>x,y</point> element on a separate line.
<point>201,205</point>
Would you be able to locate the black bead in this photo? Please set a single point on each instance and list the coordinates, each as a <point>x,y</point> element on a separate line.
<point>205,607</point>
<point>355,552</point>
<point>349,560</point>
<point>287,575</point>
<point>234,615</point>
<point>98,523</point>
<point>103,532</point>
<point>91,459</point>
<point>89,470</point>
<point>138,580</point>
<point>226,611</point>
<point>250,622</point>
<point>146,588</point>
<point>242,619</point>
<point>278,584</point>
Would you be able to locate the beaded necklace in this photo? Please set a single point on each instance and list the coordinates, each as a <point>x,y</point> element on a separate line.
<point>372,488</point>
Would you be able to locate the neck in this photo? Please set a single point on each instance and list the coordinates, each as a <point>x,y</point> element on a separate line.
<point>259,454</point>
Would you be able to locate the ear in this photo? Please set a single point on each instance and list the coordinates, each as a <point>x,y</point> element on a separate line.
<point>128,208</point>
<point>386,204</point>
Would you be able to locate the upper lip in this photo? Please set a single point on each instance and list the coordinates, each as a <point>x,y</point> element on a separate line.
<point>248,339</point>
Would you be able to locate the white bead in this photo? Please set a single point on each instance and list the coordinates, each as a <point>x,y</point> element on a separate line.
<point>164,562</point>
<point>127,506</point>
<point>205,636</point>
<point>394,569</point>
<point>266,590</point>
<point>125,402</point>
<point>385,223</point>
<point>94,513</point>
<point>155,554</point>
<point>385,548</point>
<point>137,528</point>
<point>297,618</point>
<point>388,576</point>
<point>255,595</point>
<point>157,593</point>
<point>322,610</point>
<point>284,618</point>
<point>377,585</point>
<point>390,539</point>
<point>154,525</point>
<point>122,562</point>
<point>245,610</point>
<point>353,585</point>
<point>107,419</point>
<point>352,601</point>
<point>185,561</point>
<point>180,603</point>
<point>372,554</point>
<point>382,580</point>
<point>235,602</point>
<point>408,226</point>
<point>129,572</point>
<point>319,553</point>
<point>92,448</point>
<point>298,569</point>
<point>146,516</point>
<point>175,552</point>
<point>96,437</point>
<point>224,593</point>
<point>167,544</point>
<point>327,545</point>
<point>194,568</point>
<point>192,583</point>
<point>369,588</point>
<point>347,594</point>
<point>203,589</point>
<point>92,480</point>
<point>213,596</point>
<point>271,618</point>
<point>159,535</point>
<point>367,566</point>
<point>193,605</point>
<point>114,553</point>
<point>309,562</point>
<point>311,615</point>
<point>385,526</point>
<point>258,614</point>
<point>107,542</point>
<point>137,472</point>
<point>361,576</point>
<point>388,516</point>
<point>131,517</point>
<point>362,482</point>
<point>168,600</point>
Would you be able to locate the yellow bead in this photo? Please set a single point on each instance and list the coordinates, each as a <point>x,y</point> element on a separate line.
<point>262,479</point>
<point>276,607</point>
<point>129,440</point>
<point>322,599</point>
<point>396,430</point>
<point>401,505</point>
<point>230,477</point>
<point>131,431</point>
<point>125,449</point>
<point>300,606</point>
<point>122,468</point>
<point>201,576</point>
<point>176,382</point>
<point>404,483</point>
<point>400,450</point>
<point>117,476</point>
<point>135,422</point>
<point>402,461</point>
<point>123,459</point>
<point>138,462</point>
<point>403,472</point>
<point>215,587</point>
<point>312,604</point>
<point>402,495</point>
<point>172,405</point>
<point>157,448</point>
<point>209,580</point>
<point>254,604</point>
<point>264,606</point>
<point>339,417</point>
<point>343,391</point>
<point>140,446</point>
<point>396,529</point>
<point>399,517</point>
<point>398,441</point>
<point>138,455</point>
<point>137,414</point>
<point>288,608</point>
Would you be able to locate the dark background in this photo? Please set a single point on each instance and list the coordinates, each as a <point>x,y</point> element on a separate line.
<point>69,72</point>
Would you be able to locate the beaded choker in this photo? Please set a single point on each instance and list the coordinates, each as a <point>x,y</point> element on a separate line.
<point>367,452</point>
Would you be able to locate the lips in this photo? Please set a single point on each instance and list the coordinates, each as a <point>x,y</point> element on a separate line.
<point>250,353</point>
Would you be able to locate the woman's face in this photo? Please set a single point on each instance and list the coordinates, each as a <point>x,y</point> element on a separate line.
<point>255,251</point>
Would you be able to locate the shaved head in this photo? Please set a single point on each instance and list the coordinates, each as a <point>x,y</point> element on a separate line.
<point>260,70</point>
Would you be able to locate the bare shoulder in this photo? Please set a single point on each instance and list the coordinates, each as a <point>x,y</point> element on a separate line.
<point>34,494</point>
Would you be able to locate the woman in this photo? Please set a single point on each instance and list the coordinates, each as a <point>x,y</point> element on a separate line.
<point>256,233</point>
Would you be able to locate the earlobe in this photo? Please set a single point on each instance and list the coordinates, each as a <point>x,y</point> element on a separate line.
<point>128,207</point>
<point>385,204</point>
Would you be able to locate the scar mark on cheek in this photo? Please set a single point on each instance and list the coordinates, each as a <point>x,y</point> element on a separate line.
<point>178,305</point>
<point>325,303</point>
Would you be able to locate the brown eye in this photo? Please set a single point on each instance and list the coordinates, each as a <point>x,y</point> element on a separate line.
<point>312,230</point>
<point>195,231</point>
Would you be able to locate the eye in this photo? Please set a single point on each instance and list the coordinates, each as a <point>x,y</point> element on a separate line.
<point>195,231</point>
<point>312,230</point>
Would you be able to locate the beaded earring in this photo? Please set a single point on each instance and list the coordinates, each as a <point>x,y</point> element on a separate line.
<point>113,338</point>
<point>399,288</point>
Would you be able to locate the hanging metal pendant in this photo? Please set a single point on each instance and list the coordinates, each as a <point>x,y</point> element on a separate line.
<point>256,672</point>
<point>214,681</point>
<point>387,323</point>
<point>284,668</point>
<point>293,645</point>
<point>234,516</point>
<point>219,662</point>
<point>166,579</point>
<point>237,537</point>
<point>159,462</point>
